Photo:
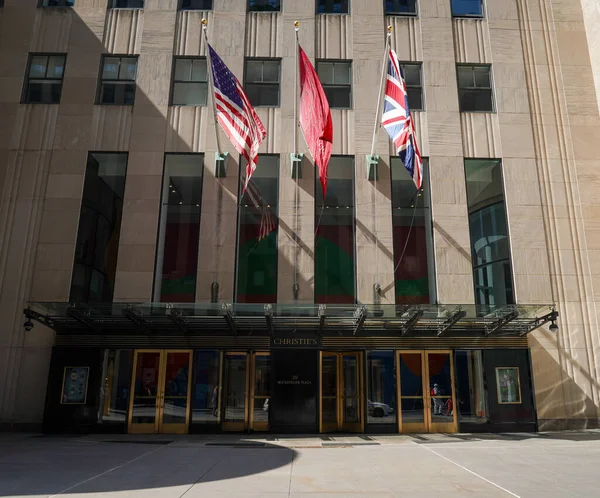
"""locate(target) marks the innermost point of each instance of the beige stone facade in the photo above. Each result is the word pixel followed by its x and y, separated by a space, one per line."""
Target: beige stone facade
pixel 546 130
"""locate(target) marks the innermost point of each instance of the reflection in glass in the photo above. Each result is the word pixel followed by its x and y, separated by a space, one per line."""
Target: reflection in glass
pixel 413 237
pixel 381 376
pixel 114 393
pixel 471 389
pixel 440 380
pixel 413 411
pixel 179 229
pixel 234 385
pixel 262 388
pixel 176 388
pixel 257 237
pixel 490 244
pixel 329 392
pixel 99 229
pixel 205 407
pixel 411 388
pixel 335 235
pixel 146 388
pixel 350 372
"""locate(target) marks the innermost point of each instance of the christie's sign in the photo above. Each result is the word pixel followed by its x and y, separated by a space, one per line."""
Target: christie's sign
pixel 294 342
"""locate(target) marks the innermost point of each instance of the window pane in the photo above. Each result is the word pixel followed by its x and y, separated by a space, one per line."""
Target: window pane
pixel 56 66
pixel 476 100
pixel 270 71
pixel 415 99
pixel 257 237
pixel 37 68
pixel 465 77
pixel 110 70
pixel 128 4
pixel 332 6
pixel 197 4
pixel 264 5
pixel 342 73
pixel 96 251
pixel 381 379
pixel 117 93
pixel 411 375
pixel 467 8
pixel 267 95
pixel 401 6
pixel 482 77
pixel 338 97
pixel 325 71
pixel 471 390
pixel 58 3
pixel 412 74
pixel 335 235
pixel 192 94
pixel 253 71
pixel 179 229
pixel 183 69
pixel 114 393
pixel 205 404
pixel 128 69
pixel 199 72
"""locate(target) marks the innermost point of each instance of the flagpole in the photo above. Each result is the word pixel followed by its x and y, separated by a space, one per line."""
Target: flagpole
pixel 296 90
pixel 295 289
pixel 212 86
pixel 383 70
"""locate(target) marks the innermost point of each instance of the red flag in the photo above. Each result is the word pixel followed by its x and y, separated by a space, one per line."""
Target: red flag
pixel 315 117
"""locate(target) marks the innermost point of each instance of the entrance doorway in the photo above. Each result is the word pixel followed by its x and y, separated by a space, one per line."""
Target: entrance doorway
pixel 341 392
pixel 426 391
pixel 246 391
pixel 160 401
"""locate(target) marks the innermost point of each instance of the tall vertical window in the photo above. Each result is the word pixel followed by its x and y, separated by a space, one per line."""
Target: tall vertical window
pixel 414 271
pixel 401 7
pixel 335 271
pixel 117 365
pixel 336 78
pixel 44 81
pixel 190 81
pixel 490 244
pixel 257 235
pixel 332 6
pixel 414 85
pixel 381 378
pixel 179 229
pixel 117 83
pixel 471 387
pixel 264 5
pixel 99 229
pixel 467 8
pixel 205 391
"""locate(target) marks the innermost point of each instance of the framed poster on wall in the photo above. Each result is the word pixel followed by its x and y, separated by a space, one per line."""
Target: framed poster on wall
pixel 74 389
pixel 508 385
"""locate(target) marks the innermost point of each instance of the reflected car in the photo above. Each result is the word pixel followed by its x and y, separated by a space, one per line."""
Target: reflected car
pixel 379 409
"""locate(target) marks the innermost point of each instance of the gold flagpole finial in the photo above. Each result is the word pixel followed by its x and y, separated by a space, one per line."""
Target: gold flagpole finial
pixel 297 25
pixel 204 23
pixel 390 29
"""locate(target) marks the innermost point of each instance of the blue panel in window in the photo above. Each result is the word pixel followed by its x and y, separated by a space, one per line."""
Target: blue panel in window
pixel 467 8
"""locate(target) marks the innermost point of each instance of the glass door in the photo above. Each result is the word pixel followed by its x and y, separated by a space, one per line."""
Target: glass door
pixel 341 392
pixel 235 392
pixel 411 392
pixel 160 385
pixel 440 393
pixel 426 392
pixel 260 391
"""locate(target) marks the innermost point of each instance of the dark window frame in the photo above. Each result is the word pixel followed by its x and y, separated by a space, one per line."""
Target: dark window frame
pixel 421 87
pixel 101 80
pixel 268 83
pixel 469 16
pixel 401 14
pixel 42 2
pixel 27 80
pixel 174 81
pixel 476 88
pixel 249 8
pixel 181 7
pixel 332 13
pixel 334 85
pixel 111 5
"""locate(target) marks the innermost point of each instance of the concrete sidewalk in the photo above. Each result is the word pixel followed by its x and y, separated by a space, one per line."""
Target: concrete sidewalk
pixel 527 465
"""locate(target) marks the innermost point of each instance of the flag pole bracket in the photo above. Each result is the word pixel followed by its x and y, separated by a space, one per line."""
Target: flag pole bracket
pixel 296 165
pixel 221 164
pixel 373 168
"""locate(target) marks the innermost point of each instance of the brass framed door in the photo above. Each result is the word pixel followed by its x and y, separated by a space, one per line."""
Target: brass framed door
pixel 160 386
pixel 260 391
pixel 341 392
pixel 235 392
pixel 426 391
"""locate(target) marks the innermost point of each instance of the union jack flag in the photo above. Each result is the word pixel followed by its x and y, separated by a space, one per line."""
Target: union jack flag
pixel 268 223
pixel 235 114
pixel 398 123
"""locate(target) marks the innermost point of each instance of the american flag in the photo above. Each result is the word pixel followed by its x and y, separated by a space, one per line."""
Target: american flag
pixel 235 114
pixel 398 122
pixel 268 223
